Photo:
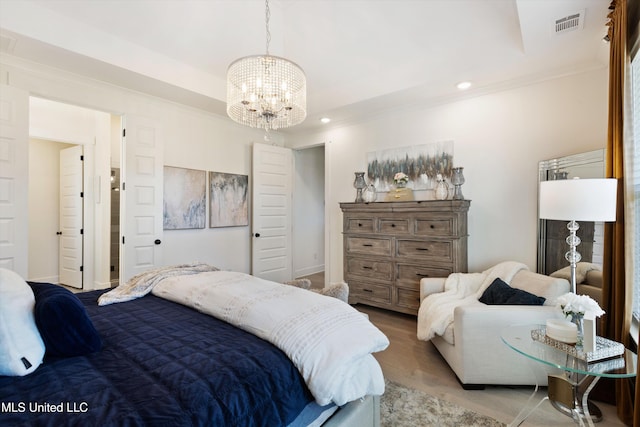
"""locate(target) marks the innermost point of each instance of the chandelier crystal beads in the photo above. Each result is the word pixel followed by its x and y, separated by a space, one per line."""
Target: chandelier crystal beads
pixel 266 91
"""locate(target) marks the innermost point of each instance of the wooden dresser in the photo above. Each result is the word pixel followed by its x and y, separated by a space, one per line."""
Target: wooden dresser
pixel 390 246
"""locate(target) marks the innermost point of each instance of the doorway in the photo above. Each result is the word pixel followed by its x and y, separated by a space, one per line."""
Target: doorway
pixel 309 212
pixel 53 127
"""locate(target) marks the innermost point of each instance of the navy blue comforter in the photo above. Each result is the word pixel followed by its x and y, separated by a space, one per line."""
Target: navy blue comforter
pixel 161 364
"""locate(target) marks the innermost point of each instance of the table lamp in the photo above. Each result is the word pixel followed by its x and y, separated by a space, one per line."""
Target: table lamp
pixel 577 200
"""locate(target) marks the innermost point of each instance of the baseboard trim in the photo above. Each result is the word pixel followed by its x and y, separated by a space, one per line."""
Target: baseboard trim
pixel 307 271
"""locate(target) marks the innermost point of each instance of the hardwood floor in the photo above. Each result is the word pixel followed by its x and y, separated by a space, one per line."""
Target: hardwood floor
pixel 418 364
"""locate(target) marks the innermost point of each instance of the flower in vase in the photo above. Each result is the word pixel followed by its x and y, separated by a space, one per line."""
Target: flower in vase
pixel 400 178
pixel 439 178
pixel 572 304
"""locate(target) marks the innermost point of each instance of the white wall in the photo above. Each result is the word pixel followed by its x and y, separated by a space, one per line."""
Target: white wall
pixel 308 211
pixel 115 144
pixel 193 139
pixel 198 140
pixel 499 138
pixel 61 122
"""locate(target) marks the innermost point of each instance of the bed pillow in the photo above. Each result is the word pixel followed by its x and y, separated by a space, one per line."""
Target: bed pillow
pixel 21 347
pixel 63 322
pixel 499 293
pixel 338 290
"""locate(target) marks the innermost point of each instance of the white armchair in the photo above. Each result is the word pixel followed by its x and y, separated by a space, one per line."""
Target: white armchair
pixel 477 355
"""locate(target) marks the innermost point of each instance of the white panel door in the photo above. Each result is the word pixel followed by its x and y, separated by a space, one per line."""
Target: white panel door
pixel 71 216
pixel 14 179
pixel 272 192
pixel 141 240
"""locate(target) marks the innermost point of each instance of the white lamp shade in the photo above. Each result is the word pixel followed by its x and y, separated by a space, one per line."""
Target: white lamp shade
pixel 578 199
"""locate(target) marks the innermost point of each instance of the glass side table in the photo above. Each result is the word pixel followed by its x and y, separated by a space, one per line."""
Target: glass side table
pixel 569 391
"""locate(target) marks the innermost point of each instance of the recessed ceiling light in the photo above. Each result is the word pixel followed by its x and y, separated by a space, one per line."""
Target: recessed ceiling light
pixel 463 85
pixel 325 120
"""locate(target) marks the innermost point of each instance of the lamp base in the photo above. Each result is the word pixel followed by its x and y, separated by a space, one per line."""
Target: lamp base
pixel 572 255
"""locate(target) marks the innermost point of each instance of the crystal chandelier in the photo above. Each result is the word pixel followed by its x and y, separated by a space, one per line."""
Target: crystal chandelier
pixel 266 91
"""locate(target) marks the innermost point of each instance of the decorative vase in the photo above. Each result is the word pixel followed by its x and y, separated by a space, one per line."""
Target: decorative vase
pixel 442 190
pixel 457 179
pixel 401 184
pixel 370 194
pixel 359 184
pixel 578 319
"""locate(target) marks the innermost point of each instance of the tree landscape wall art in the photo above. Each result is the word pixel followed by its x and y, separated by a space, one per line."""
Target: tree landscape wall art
pixel 422 163
pixel 228 199
pixel 185 203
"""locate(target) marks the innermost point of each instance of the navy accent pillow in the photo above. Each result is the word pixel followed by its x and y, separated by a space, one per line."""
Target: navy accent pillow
pixel 63 322
pixel 499 293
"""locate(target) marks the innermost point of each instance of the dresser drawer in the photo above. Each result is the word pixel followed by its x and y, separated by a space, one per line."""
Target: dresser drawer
pixel 394 226
pixel 370 292
pixel 413 273
pixel 431 250
pixel 440 227
pixel 408 298
pixel 368 246
pixel 381 270
pixel 359 225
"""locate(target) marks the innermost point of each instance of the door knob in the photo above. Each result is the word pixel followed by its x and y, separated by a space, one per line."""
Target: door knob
pixel 257 234
pixel 157 241
pixel 59 233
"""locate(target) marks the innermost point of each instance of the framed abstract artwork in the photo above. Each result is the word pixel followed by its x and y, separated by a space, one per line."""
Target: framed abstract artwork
pixel 422 163
pixel 184 200
pixel 228 200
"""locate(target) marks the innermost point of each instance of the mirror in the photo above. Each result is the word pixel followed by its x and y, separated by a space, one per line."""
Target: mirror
pixel 552 234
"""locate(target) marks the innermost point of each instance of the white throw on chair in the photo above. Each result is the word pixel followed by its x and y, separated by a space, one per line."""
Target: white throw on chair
pixel 467 332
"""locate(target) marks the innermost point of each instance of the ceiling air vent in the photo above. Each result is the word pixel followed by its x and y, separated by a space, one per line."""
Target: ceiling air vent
pixel 575 21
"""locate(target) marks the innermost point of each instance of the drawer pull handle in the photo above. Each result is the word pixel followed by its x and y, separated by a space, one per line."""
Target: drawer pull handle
pixel 367 244
pixel 366 267
pixel 393 225
pixel 422 249
pixel 359 224
pixel 432 226
pixel 367 290
pixel 422 275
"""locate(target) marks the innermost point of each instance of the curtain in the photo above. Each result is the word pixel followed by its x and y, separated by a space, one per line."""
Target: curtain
pixel 615 287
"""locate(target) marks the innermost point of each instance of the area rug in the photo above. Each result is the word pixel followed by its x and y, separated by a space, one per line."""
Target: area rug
pixel 404 407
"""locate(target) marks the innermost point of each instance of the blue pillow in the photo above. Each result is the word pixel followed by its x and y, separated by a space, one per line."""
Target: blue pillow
pixel 63 322
pixel 499 293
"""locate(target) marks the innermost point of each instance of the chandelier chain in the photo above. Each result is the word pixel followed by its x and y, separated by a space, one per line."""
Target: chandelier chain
pixel 267 18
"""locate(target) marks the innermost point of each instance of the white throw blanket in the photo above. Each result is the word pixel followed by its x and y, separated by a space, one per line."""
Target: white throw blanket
pixel 141 284
pixel 327 340
pixel 436 311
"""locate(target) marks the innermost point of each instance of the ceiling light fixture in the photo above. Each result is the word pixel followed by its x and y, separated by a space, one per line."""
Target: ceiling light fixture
pixel 325 120
pixel 266 91
pixel 463 85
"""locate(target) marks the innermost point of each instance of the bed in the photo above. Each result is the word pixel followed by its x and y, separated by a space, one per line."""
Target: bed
pixel 161 362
